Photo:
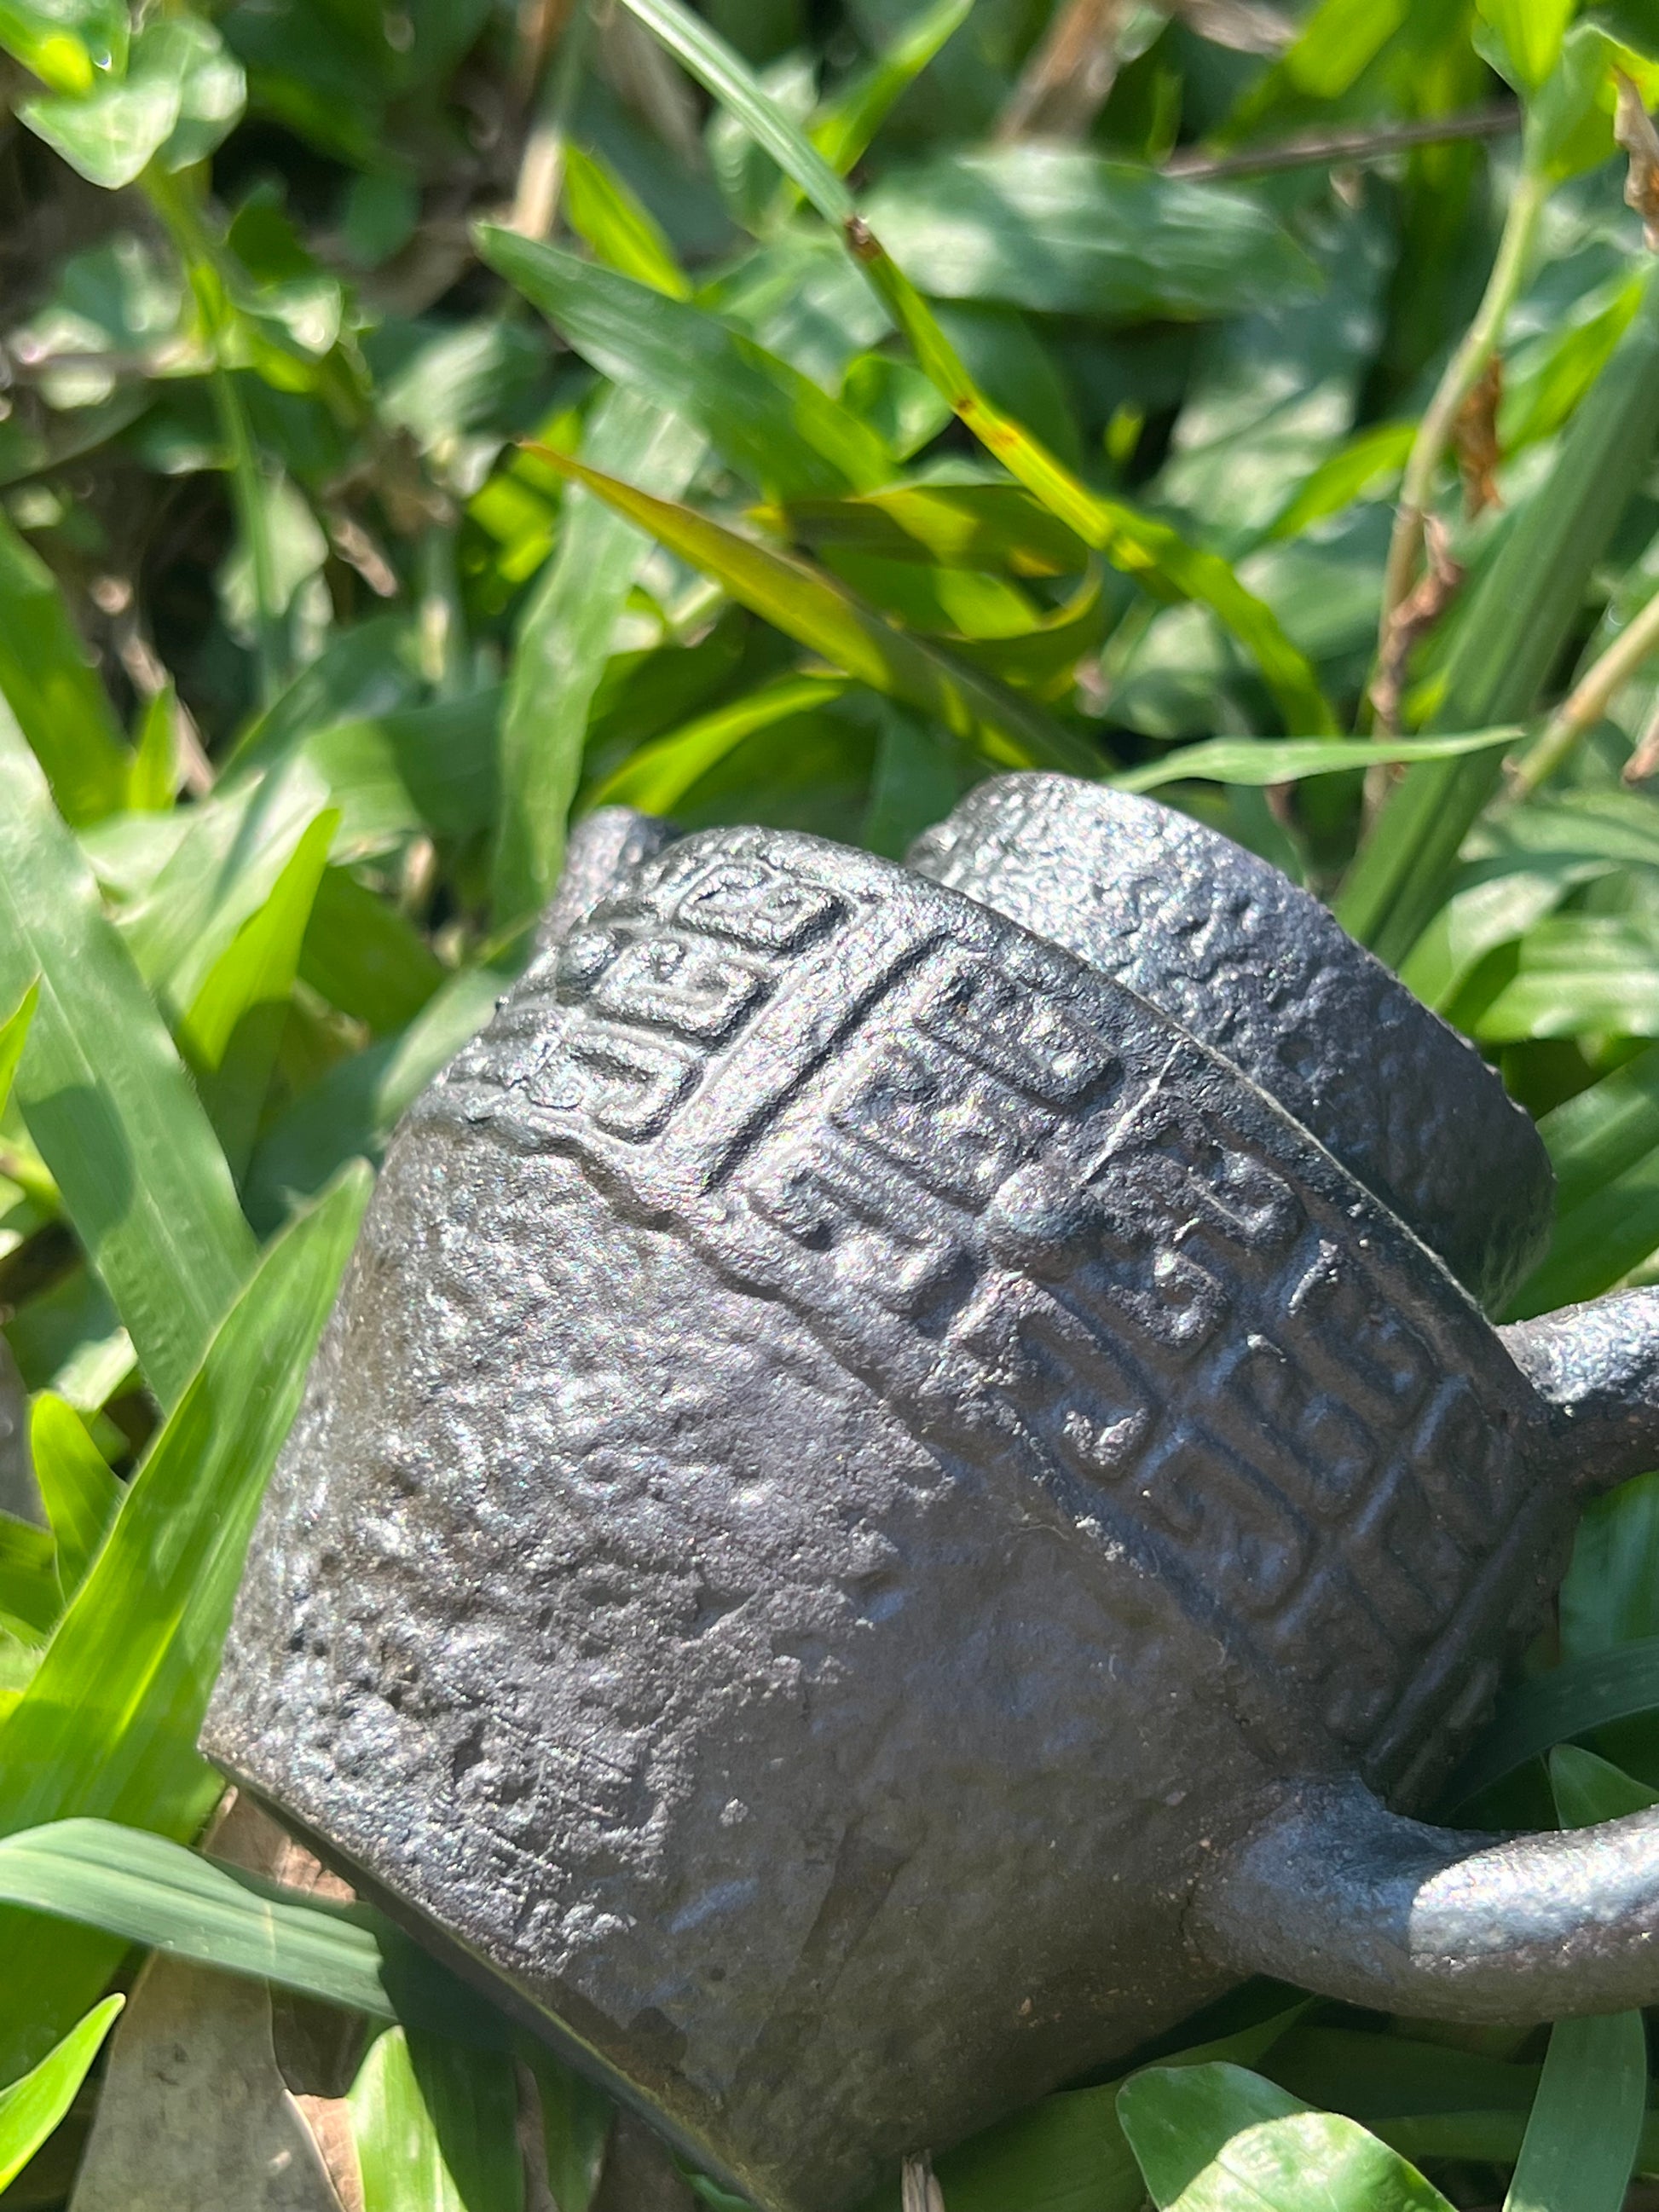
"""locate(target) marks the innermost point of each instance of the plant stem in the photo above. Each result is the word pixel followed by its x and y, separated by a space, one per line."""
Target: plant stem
pixel 541 169
pixel 1461 373
pixel 1312 149
pixel 1584 708
pixel 196 250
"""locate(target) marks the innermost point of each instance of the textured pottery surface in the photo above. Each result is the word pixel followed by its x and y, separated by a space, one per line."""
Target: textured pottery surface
pixel 904 1487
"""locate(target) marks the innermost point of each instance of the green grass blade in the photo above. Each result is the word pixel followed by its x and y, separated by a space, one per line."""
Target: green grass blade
pixel 1581 2139
pixel 1585 2127
pixel 657 777
pixel 366 957
pixel 822 615
pixel 80 1495
pixel 998 527
pixel 576 2123
pixel 709 58
pixel 107 1098
pixel 60 707
pixel 31 1596
pixel 1588 1788
pixel 1604 1145
pixel 1154 553
pixel 234 848
pixel 435 2128
pixel 1213 2138
pixel 564 642
pixel 772 424
pixel 848 123
pixel 31 2107
pixel 107 1726
pixel 619 227
pixel 1256 761
pixel 1509 635
pixel 142 1888
pixel 13 1036
pixel 232 1029
pixel 1570 1700
pixel 357 1104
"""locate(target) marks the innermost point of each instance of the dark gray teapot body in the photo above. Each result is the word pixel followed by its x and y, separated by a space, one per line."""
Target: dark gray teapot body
pixel 868 1493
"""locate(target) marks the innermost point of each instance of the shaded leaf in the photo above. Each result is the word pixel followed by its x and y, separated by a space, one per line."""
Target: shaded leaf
pixel 364 956
pixel 845 125
pixel 355 1107
pixel 1569 1700
pixel 233 1026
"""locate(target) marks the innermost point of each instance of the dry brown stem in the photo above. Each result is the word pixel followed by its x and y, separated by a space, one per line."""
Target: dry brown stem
pixel 1633 129
pixel 1416 615
pixel 1070 72
pixel 1474 439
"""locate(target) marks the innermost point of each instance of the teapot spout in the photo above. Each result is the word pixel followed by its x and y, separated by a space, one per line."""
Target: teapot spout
pixel 1596 1366
pixel 1337 1894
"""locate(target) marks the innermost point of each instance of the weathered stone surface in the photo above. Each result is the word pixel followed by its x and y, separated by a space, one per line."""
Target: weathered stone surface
pixel 859 1468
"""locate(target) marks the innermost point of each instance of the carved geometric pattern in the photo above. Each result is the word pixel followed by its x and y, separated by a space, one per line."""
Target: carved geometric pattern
pixel 1036 1215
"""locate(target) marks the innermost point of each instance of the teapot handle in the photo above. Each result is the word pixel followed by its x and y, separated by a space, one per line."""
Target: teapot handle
pixel 1597 1367
pixel 1335 1893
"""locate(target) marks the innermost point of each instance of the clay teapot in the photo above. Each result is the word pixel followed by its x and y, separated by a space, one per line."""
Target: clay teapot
pixel 908 1481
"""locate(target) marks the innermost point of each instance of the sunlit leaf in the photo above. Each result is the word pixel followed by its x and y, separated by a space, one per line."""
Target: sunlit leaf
pixel 1213 2138
pixel 59 704
pixel 80 1495
pixel 762 415
pixel 617 225
pixel 819 613
pixel 659 775
pixel 181 93
pixel 1069 233
pixel 107 1098
pixel 138 1886
pixel 434 2126
pixel 563 642
pixel 108 1725
pixel 31 2107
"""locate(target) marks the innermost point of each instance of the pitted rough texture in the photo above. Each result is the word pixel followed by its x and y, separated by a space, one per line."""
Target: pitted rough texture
pixel 1242 958
pixel 853 1456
